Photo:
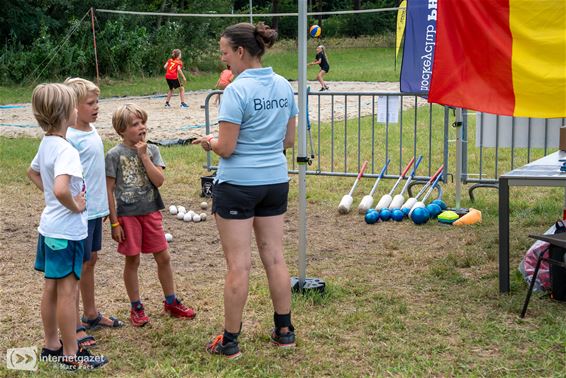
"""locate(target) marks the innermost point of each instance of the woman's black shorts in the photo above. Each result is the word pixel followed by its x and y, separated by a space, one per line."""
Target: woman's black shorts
pixel 243 202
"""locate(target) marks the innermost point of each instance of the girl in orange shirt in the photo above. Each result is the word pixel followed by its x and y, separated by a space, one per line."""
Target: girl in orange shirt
pixel 174 68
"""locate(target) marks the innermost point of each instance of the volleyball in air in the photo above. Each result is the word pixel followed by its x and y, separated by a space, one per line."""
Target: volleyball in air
pixel 315 31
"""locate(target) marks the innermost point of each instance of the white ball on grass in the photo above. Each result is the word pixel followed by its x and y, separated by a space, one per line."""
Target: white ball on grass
pixel 180 215
pixel 173 210
pixel 204 205
pixel 203 218
pixel 169 237
pixel 181 209
pixel 196 218
pixel 188 217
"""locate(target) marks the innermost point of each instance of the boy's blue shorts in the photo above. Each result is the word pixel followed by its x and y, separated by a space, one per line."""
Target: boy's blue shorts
pixel 93 242
pixel 57 258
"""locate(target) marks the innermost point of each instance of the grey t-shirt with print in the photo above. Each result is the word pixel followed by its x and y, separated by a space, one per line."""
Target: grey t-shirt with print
pixel 135 194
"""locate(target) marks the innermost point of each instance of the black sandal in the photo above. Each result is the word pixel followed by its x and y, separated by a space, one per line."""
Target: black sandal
pixel 85 342
pixel 94 324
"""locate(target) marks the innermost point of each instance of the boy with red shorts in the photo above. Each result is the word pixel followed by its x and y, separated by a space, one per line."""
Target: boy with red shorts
pixel 134 172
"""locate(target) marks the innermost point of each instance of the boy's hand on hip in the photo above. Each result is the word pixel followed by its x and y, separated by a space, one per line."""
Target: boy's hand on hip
pixel 80 201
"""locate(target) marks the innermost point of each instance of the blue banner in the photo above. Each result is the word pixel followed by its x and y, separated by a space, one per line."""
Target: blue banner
pixel 418 51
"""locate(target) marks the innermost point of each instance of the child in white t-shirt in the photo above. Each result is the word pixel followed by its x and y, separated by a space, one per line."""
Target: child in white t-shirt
pixel 84 137
pixel 56 170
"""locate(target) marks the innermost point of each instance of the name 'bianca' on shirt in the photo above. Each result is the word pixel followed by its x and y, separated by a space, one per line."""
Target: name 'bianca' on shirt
pixel 262 103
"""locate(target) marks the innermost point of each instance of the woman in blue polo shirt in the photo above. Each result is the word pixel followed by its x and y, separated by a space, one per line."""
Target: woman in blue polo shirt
pixel 257 119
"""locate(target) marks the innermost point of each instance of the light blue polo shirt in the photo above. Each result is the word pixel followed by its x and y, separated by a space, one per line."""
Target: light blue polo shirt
pixel 261 102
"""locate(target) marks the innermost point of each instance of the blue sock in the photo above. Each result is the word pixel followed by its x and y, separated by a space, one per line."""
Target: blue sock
pixel 136 304
pixel 169 299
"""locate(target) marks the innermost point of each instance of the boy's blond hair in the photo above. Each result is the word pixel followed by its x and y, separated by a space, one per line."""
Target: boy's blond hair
pixel 52 104
pixel 175 53
pixel 82 87
pixel 124 115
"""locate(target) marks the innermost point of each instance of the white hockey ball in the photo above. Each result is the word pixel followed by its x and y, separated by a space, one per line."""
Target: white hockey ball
pixel 188 217
pixel 202 216
pixel 173 210
pixel 196 218
pixel 169 237
pixel 204 205
pixel 181 209
pixel 180 215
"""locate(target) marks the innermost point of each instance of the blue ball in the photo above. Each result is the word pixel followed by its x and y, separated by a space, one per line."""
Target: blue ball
pixel 397 215
pixel 406 211
pixel 440 203
pixel 434 210
pixel 372 210
pixel 371 217
pixel 420 215
pixel 385 215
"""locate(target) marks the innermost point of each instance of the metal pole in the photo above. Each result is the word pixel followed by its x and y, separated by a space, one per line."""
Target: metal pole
pixel 458 176
pixel 94 43
pixel 251 13
pixel 302 141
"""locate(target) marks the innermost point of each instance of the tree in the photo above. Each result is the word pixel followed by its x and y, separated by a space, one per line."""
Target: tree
pixel 275 19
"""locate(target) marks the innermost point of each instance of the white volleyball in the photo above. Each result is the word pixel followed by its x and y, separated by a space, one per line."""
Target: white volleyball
pixel 173 210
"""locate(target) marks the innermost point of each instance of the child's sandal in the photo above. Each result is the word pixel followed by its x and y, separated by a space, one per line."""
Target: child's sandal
pixel 94 324
pixel 85 342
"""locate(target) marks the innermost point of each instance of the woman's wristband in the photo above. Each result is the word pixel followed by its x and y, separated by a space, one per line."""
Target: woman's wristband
pixel 114 225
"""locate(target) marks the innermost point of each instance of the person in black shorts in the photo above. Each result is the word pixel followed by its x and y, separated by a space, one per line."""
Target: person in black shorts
pixel 322 61
pixel 256 121
pixel 173 69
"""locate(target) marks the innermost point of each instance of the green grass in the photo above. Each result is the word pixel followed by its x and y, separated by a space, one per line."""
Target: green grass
pixel 408 307
pixel 364 62
pixel 401 300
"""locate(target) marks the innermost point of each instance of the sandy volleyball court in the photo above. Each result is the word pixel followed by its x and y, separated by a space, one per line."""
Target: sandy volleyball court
pixel 18 120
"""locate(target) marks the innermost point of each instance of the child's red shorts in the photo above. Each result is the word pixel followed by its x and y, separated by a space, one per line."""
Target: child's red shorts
pixel 144 234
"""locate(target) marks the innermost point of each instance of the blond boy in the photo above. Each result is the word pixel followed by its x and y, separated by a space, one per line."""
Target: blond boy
pixel 134 172
pixel 84 137
pixel 57 172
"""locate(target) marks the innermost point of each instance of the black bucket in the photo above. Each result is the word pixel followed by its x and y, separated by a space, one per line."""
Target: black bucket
pixel 206 183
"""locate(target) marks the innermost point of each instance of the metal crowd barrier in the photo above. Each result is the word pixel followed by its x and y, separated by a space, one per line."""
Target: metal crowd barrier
pixel 499 144
pixel 344 130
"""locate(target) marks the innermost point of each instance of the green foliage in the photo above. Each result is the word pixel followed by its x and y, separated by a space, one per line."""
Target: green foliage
pixel 52 39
